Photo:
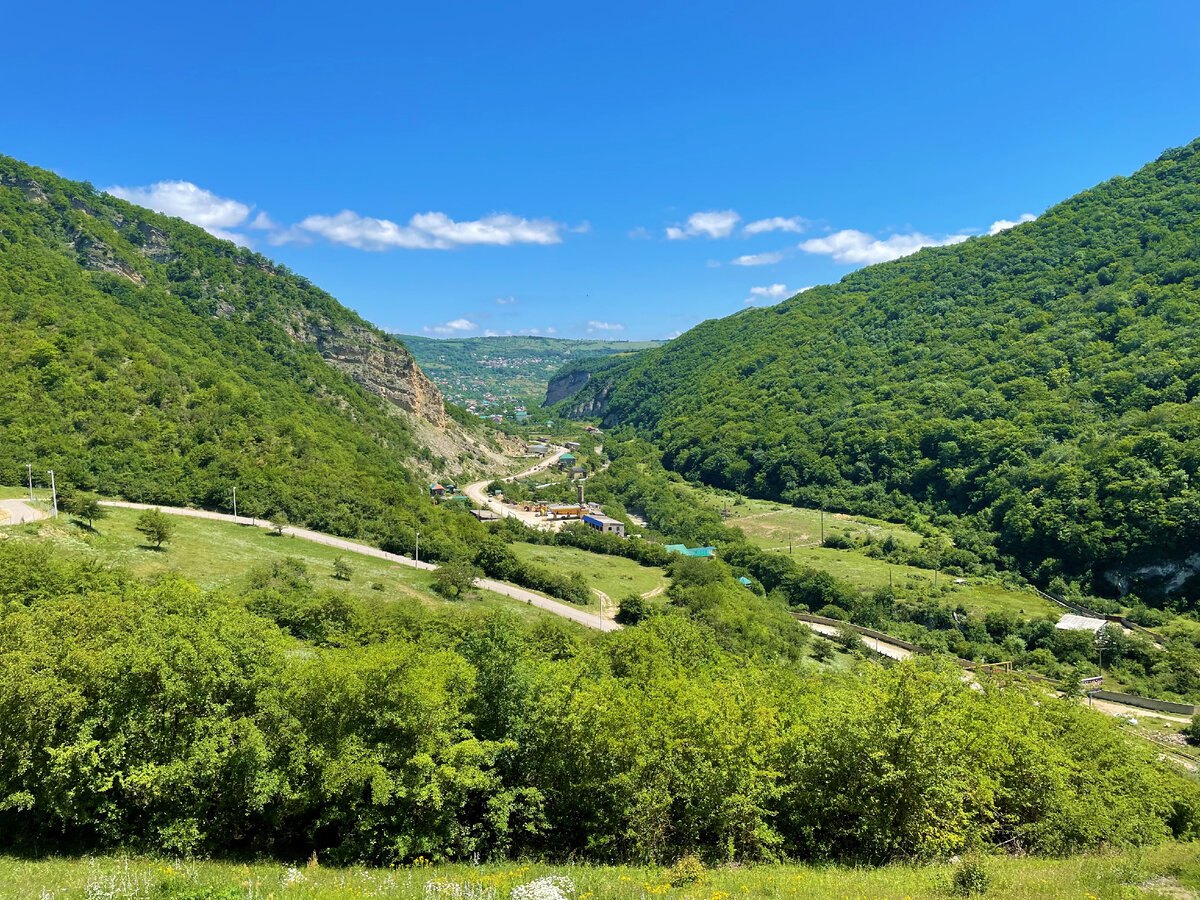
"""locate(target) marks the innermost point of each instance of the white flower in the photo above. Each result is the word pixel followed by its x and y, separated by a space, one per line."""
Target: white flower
pixel 550 887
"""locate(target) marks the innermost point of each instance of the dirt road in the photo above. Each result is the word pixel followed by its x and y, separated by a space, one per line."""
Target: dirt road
pixel 508 590
pixel 879 646
pixel 18 512
pixel 477 492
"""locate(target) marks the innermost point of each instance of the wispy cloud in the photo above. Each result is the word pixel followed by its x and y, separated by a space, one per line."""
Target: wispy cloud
pixel 851 246
pixel 777 223
pixel 216 215
pixel 506 301
pixel 771 292
pixel 533 332
pixel 712 224
pixel 641 233
pixel 758 259
pixel 1004 224
pixel 424 231
pixel 455 326
pixel 593 326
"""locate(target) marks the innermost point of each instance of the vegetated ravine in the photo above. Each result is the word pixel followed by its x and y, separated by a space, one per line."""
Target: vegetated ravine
pixel 1039 386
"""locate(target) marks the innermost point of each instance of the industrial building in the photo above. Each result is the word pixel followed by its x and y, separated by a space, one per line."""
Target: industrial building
pixel 604 524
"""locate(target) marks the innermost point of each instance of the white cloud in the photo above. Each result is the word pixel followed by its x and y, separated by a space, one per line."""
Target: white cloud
pixel 641 233
pixel 455 326
pixel 757 259
pixel 673 335
pixel 214 214
pixel 1004 224
pixel 712 224
pixel 593 326
pixel 712 264
pixel 851 246
pixel 430 231
pixel 777 223
pixel 506 301
pixel 768 292
pixel 424 231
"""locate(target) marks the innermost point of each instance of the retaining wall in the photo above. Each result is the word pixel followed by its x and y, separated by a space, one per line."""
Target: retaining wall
pixel 1180 709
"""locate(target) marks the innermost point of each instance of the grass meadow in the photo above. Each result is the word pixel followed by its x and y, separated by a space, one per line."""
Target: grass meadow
pixel 1168 871
pixel 220 554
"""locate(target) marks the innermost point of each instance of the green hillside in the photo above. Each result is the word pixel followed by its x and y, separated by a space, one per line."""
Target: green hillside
pixel 1037 389
pixel 505 370
pixel 141 357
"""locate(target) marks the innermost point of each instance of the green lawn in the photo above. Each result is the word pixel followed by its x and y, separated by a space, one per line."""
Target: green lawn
pixel 216 554
pixel 1170 870
pixel 613 575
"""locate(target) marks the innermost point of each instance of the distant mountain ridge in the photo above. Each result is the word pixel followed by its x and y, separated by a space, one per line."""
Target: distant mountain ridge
pixel 1042 385
pixel 141 356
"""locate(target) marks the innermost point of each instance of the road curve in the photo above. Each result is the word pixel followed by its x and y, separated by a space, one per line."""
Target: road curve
pixel 508 590
pixel 477 492
pixel 18 512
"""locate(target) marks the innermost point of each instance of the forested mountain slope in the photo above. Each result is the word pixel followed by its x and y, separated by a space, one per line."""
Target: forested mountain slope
pixel 1040 384
pixel 141 356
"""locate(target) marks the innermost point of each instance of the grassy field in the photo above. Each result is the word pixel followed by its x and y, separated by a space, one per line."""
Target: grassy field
pixel 975 594
pixel 613 575
pixel 217 554
pixel 1171 871
pixel 770 525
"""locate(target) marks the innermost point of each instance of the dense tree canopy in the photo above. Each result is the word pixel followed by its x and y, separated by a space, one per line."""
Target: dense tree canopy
pixel 289 720
pixel 1041 384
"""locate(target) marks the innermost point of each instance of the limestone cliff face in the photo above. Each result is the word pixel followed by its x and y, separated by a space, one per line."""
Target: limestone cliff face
pixel 380 364
pixel 563 386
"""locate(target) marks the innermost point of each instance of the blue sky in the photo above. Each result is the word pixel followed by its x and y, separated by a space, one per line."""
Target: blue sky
pixel 624 170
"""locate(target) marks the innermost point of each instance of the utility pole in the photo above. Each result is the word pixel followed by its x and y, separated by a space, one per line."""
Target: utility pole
pixel 789 542
pixel 235 502
pixel 417 552
pixel 53 491
pixel 822 525
pixel 29 466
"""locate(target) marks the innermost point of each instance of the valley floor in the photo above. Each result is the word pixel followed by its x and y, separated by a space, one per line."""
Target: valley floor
pixel 1169 871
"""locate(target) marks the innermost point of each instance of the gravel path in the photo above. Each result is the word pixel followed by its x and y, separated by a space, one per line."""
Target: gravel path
pixel 508 590
pixel 18 512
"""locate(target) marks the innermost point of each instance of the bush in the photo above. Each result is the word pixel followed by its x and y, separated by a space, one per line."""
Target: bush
pixel 632 610
pixel 686 871
pixel 970 879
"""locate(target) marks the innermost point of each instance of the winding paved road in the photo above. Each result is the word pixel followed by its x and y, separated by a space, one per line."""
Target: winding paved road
pixel 499 587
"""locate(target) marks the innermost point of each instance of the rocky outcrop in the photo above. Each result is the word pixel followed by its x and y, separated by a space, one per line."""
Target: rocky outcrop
pixel 380 364
pixel 565 384
pixel 1155 579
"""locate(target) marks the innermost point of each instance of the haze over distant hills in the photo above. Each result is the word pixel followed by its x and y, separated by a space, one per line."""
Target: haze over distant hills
pixel 1041 385
pixel 508 368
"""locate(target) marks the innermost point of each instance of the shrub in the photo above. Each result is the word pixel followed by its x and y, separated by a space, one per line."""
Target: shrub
pixel 969 879
pixel 687 870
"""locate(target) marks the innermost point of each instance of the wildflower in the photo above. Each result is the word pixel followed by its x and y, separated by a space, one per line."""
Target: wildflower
pixel 549 887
